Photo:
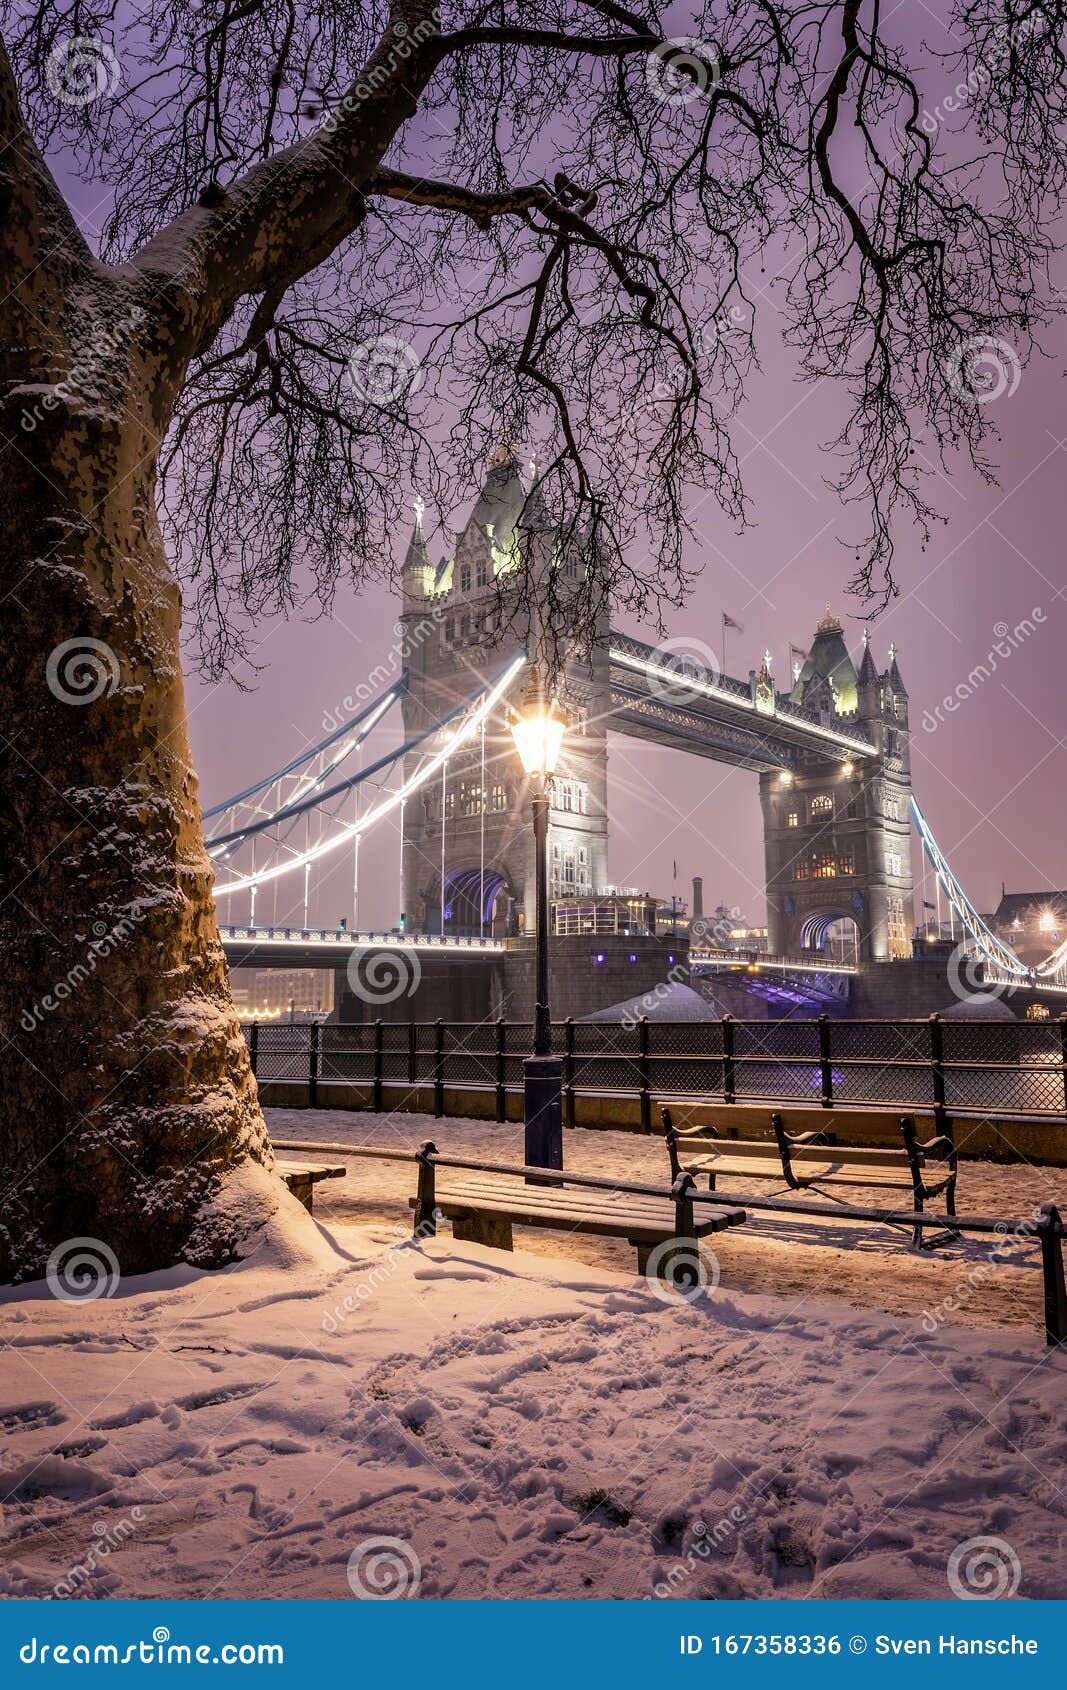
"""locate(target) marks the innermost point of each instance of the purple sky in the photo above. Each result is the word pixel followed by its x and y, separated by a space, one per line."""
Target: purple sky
pixel 990 777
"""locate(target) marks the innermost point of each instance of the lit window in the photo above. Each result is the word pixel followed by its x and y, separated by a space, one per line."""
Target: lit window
pixel 1037 1012
pixel 792 819
pixel 822 804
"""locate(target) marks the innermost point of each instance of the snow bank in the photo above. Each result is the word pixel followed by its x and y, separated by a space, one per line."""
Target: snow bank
pixel 515 1426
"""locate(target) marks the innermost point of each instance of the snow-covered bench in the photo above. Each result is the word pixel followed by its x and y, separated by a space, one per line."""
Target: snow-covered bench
pixel 483 1208
pixel 812 1160
pixel 303 1177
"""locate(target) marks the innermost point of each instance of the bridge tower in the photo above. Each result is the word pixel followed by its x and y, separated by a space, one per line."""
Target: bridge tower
pixel 468 840
pixel 837 833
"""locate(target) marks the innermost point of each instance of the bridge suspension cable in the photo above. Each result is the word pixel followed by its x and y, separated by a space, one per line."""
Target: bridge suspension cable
pixel 985 941
pixel 375 710
pixel 472 713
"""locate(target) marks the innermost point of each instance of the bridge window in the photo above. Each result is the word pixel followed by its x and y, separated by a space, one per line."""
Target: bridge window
pixel 570 796
pixel 450 629
pixel 481 572
pixel 464 627
pixel 500 796
pixel 896 930
pixel 793 819
pixel 470 798
pixel 825 865
pixel 822 804
pixel 1037 1012
pixel 464 577
pixel 893 863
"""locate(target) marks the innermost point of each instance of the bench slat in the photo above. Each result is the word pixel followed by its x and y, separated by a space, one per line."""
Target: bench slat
pixel 313 1171
pixel 637 1219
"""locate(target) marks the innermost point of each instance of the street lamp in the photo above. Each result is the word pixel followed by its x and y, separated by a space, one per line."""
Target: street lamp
pixel 538 735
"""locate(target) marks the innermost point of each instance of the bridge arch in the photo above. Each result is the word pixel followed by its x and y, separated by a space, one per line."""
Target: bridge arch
pixel 476 900
pixel 835 932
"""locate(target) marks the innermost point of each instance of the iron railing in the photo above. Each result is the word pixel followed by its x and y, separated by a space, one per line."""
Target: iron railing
pixel 943 1067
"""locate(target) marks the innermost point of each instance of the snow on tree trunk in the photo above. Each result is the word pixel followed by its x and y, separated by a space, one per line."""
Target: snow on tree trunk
pixel 127 1092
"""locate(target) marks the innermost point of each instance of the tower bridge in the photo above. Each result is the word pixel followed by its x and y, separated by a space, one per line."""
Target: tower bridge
pixel 830 751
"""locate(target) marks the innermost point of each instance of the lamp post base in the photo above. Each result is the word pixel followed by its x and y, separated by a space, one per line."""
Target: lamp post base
pixel 543 1111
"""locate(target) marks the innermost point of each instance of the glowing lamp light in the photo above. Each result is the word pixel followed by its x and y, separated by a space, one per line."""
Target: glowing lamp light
pixel 1047 921
pixel 537 732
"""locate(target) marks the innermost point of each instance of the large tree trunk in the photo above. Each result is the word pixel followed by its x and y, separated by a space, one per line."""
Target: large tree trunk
pixel 126 1090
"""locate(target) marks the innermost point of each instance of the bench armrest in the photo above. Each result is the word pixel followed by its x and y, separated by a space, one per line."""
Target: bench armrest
pixel 675 1138
pixel 943 1147
pixel 798 1140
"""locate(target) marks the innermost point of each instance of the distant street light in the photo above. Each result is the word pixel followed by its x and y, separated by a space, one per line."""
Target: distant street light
pixel 538 735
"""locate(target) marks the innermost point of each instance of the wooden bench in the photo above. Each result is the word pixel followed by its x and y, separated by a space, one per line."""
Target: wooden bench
pixel 484 1211
pixel 303 1177
pixel 812 1160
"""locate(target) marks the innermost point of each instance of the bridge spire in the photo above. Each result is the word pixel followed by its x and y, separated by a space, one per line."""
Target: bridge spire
pixel 418 570
pixel 868 671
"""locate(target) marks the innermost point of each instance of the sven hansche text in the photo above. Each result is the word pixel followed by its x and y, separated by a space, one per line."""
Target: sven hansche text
pixel 952 1645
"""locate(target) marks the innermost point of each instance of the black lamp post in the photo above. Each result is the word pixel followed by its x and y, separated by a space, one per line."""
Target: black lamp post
pixel 538 734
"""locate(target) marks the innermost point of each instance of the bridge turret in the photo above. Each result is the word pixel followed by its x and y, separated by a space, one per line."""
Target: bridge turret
pixel 418 570
pixel 896 687
pixel 828 679
pixel 837 833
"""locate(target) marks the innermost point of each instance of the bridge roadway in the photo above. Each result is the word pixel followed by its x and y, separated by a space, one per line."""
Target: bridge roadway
pixel 293 947
pixel 691 708
pixel 286 947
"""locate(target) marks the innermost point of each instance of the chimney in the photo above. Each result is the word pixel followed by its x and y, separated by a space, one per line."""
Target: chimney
pixel 698 895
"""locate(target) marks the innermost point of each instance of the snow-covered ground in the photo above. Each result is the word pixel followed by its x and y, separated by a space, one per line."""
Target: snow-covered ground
pixel 524 1425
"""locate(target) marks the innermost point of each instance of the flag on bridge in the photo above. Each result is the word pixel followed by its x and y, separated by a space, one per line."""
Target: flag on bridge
pixel 728 622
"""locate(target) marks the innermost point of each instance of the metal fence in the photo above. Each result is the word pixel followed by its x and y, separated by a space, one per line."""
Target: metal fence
pixel 996 1068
